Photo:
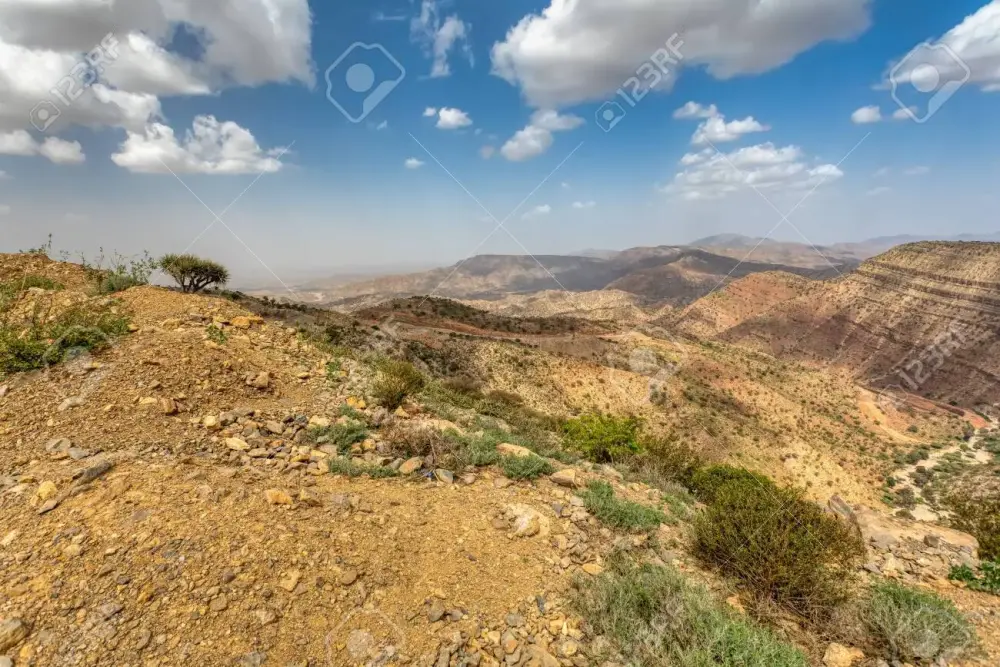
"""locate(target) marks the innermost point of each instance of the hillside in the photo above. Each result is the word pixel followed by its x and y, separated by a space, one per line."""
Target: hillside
pixel 662 275
pixel 923 316
pixel 226 480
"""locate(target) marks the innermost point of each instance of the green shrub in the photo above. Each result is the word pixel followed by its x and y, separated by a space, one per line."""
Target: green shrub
pixel 341 436
pixel 662 464
pixel 12 289
pixel 525 467
pixel 706 482
pixel 394 381
pixel 603 438
pixel 121 273
pixel 45 343
pixel 216 334
pixel 654 616
pixel 192 273
pixel 913 625
pixel 778 545
pixel 987 580
pixel 979 516
pixel 600 500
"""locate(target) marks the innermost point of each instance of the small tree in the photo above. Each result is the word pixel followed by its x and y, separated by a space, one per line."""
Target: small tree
pixel 193 274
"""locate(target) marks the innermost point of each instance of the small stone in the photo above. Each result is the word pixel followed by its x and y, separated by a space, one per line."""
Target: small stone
pixel 277 497
pixel 566 477
pixel 265 616
pixel 237 444
pixel 219 604
pixel 446 476
pixel 348 577
pixel 593 569
pixel 240 322
pixel 319 422
pixel 838 655
pixel 109 610
pixel 261 381
pixel 169 406
pixel 508 642
pixel 411 466
pixel 48 506
pixel 211 422
pixel 71 402
pixel 569 648
pixel 435 612
pixel 514 620
pixel 309 498
pixel 276 428
pixel 507 449
pixel 73 550
pixel 47 490
pixel 933 541
pixel 12 632
pixel 290 580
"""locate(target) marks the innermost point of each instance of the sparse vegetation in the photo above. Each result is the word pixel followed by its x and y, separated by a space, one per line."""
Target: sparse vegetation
pixel 341 436
pixel 193 274
pixel 706 482
pixel 979 516
pixel 986 580
pixel 395 380
pixel 654 616
pixel 525 467
pixel 778 545
pixel 911 625
pixel 121 272
pixel 600 500
pixel 216 334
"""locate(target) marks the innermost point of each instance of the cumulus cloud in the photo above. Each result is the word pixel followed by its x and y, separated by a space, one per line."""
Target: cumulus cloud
pixel 975 43
pixel 584 204
pixel 537 212
pixel 866 115
pixel 453 119
pixel 715 175
pixel 209 147
pixel 439 38
pixel 239 43
pixel 716 130
pixel 584 50
pixel 20 142
pixel 430 112
pixel 695 110
pixel 537 136
pixel 413 163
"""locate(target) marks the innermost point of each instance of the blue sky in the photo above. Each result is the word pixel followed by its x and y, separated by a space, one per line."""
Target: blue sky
pixel 781 100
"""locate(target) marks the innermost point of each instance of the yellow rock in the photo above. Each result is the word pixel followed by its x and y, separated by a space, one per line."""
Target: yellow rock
pixel 277 497
pixel 236 444
pixel 47 490
pixel 241 322
pixel 592 569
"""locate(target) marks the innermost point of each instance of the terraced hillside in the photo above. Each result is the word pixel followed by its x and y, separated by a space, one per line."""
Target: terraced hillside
pixel 922 316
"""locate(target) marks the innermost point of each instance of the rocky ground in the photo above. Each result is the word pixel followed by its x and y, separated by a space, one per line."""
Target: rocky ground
pixel 161 504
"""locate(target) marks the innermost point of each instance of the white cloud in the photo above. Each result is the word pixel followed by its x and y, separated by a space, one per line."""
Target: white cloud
pixel 430 112
pixel 20 142
pixel 4 209
pixel 917 171
pixel 584 50
pixel 62 152
pixel 880 190
pixel 240 43
pixel 696 110
pixel 584 204
pixel 453 119
pixel 486 152
pixel 976 43
pixel 538 211
pixel 536 137
pixel 439 37
pixel 866 115
pixel 903 114
pixel 716 130
pixel 210 147
pixel 766 167
pixel 413 163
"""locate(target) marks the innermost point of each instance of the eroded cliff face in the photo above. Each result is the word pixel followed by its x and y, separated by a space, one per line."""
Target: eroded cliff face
pixel 923 316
